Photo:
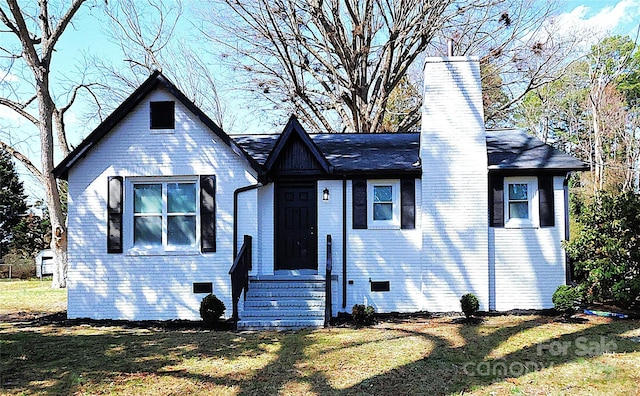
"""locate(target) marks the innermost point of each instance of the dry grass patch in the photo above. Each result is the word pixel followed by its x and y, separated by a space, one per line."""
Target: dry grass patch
pixel 530 355
pixel 435 356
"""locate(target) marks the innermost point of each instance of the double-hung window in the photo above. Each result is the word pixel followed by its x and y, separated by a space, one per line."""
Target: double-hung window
pixel 384 209
pixel 164 214
pixel 521 203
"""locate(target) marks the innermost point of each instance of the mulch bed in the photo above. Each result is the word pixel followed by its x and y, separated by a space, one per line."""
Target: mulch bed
pixel 342 320
pixel 60 319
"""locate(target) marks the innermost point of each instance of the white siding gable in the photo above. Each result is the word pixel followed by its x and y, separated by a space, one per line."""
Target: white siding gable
pixel 124 286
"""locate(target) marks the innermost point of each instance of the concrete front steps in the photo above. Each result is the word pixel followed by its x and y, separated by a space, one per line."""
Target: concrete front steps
pixel 284 302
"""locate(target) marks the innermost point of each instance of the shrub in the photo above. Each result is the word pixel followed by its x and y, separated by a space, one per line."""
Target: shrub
pixel 363 315
pixel 211 309
pixel 470 304
pixel 22 265
pixel 606 248
pixel 566 299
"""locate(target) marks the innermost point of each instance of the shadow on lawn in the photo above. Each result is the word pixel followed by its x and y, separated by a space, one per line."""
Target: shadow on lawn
pixel 87 357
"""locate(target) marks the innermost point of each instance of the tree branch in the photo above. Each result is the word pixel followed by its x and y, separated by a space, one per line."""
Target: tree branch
pixel 53 37
pixel 23 159
pixel 21 30
pixel 8 23
pixel 20 109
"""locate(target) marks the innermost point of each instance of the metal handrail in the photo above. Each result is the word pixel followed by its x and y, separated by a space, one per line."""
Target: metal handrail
pixel 240 276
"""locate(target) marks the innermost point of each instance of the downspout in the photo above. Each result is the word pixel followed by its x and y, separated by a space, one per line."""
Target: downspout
pixel 236 193
pixel 568 265
pixel 344 243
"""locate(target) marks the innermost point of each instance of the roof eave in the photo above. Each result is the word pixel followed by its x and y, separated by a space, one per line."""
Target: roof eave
pixel 560 170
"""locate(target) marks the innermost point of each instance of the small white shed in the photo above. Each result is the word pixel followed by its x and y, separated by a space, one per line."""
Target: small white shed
pixel 44 263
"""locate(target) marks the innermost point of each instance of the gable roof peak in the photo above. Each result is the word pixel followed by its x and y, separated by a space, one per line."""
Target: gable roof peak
pixel 139 94
pixel 294 129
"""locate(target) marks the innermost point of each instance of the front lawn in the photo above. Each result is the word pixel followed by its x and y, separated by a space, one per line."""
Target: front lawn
pixel 30 298
pixel 528 355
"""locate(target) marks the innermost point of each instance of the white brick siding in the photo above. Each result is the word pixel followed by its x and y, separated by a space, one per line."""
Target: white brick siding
pixel 454 185
pixel 376 255
pixel 123 286
pixel 451 251
pixel 384 255
pixel 266 230
pixel 529 263
pixel 330 223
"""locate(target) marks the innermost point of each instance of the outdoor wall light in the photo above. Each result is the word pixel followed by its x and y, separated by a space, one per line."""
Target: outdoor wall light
pixel 325 194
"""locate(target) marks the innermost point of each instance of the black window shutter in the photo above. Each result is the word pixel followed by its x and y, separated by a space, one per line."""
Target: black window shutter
pixel 359 204
pixel 545 191
pixel 114 214
pixel 496 201
pixel 208 213
pixel 408 204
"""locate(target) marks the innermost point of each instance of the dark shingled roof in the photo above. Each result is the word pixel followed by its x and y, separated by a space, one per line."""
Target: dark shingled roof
pixel 351 153
pixel 384 152
pixel 513 149
pixel 344 154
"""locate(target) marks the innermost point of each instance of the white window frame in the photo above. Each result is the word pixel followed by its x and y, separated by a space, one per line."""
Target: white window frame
pixel 394 222
pixel 165 248
pixel 533 220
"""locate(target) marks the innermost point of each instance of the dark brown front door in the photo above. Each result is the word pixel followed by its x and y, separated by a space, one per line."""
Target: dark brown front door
pixel 296 227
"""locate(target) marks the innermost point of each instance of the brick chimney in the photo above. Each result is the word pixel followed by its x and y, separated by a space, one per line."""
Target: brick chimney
pixel 454 184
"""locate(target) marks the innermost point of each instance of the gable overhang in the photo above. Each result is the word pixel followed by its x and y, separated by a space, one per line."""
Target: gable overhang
pixel 61 171
pixel 292 131
pixel 377 174
pixel 533 171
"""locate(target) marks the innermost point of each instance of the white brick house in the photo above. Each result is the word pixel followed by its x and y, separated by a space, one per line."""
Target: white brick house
pixel 160 199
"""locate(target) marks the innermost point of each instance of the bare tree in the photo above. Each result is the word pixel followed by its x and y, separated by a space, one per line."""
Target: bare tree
pixel 29 37
pixel 149 37
pixel 608 61
pixel 335 62
pixel 592 112
pixel 520 44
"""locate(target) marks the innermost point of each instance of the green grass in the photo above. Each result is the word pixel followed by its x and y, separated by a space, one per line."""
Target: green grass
pixel 30 296
pixel 425 357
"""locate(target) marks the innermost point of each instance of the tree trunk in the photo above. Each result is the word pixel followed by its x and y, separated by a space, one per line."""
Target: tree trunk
pixel 46 109
pixel 37 48
pixel 598 157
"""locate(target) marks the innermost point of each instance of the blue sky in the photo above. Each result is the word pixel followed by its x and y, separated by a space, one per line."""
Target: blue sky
pixel 598 17
pixel 87 35
pixel 605 16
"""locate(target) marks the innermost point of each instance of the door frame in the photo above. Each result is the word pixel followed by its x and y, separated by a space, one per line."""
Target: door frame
pixel 313 185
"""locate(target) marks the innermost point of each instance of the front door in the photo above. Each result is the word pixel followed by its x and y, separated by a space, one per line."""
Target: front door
pixel 296 227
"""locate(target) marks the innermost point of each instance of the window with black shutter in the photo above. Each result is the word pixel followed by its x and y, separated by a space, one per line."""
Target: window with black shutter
pixel 162 214
pixel 384 204
pixel 408 202
pixel 496 201
pixel 208 213
pixel 359 204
